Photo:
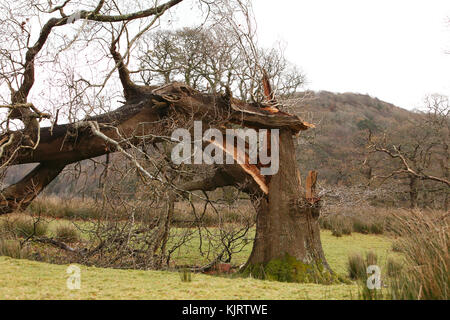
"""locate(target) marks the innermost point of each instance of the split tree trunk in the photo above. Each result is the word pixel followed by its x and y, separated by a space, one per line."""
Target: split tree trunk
pixel 287 246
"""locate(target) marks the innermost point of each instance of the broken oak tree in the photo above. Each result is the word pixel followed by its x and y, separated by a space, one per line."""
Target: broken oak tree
pixel 287 244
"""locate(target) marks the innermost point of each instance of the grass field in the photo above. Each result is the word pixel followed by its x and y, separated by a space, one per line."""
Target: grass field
pixel 24 279
pixel 336 250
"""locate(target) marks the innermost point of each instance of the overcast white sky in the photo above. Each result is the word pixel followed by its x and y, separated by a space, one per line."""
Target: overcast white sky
pixel 390 49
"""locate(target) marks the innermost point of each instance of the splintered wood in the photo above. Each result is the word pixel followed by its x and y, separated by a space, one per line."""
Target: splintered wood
pixel 311 195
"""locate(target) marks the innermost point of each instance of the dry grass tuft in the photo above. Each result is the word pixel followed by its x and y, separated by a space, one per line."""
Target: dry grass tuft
pixel 426 249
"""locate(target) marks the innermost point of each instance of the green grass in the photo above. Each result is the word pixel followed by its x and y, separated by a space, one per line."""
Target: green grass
pixel 336 250
pixel 24 279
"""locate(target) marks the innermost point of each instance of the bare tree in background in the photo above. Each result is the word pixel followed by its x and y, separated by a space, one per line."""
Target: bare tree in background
pixel 211 61
pixel 423 159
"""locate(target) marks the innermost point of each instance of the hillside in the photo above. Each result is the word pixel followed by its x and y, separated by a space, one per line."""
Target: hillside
pixel 336 147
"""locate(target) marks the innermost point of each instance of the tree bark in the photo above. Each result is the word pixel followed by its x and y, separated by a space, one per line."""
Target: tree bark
pixel 18 196
pixel 287 244
pixel 413 191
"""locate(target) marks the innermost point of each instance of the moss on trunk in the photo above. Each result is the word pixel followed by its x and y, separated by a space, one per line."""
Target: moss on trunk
pixel 289 269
